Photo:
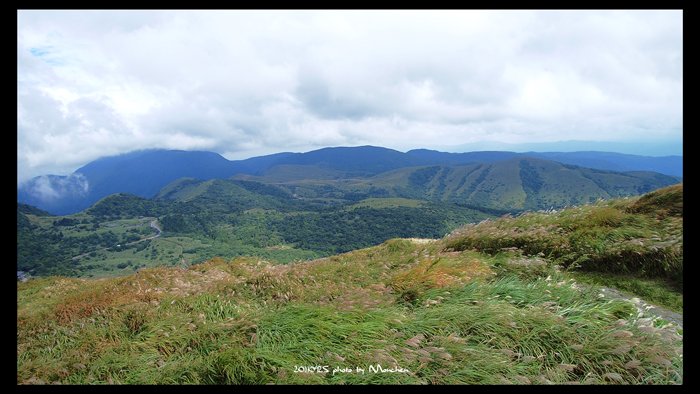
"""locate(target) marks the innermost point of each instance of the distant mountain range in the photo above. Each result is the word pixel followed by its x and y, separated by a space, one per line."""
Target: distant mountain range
pixel 527 179
pixel 667 165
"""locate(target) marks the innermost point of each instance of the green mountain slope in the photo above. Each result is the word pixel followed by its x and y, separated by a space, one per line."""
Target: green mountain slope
pixel 508 185
pixel 518 184
pixel 489 304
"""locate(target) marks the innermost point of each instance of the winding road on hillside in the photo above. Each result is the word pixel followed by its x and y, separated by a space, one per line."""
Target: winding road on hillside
pixel 153 224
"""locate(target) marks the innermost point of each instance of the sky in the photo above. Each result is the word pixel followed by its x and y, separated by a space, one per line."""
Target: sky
pixel 247 83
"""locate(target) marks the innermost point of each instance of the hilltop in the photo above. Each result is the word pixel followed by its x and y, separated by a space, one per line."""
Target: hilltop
pixel 509 300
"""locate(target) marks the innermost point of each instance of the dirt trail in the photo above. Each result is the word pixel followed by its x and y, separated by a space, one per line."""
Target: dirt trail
pixel 644 306
pixel 420 241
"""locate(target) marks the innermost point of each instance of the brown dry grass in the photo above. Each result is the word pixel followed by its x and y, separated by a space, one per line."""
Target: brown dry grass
pixel 446 269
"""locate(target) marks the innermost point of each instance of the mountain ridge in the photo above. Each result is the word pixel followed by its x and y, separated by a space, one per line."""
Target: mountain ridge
pixel 144 173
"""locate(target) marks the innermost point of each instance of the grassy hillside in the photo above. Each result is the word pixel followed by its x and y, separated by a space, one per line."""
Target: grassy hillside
pixel 516 184
pixel 467 309
pixel 617 236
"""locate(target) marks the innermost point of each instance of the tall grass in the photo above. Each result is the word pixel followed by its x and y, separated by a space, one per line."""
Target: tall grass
pixel 620 236
pixel 489 330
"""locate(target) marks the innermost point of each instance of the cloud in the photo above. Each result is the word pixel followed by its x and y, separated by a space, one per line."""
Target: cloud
pixel 242 83
pixel 50 188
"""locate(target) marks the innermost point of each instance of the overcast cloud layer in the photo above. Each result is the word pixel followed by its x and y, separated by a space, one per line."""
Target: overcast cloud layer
pixel 245 83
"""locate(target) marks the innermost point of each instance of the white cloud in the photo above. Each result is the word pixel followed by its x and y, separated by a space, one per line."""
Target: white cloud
pixel 94 83
pixel 50 188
